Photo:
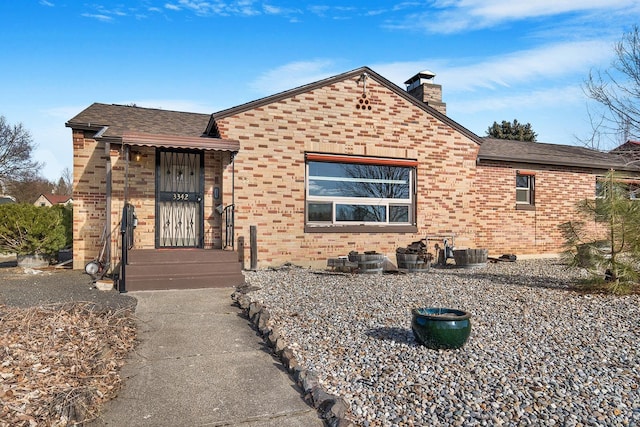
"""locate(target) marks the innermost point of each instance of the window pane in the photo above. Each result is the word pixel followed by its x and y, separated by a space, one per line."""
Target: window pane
pixel 399 214
pixel 522 181
pixel 361 213
pixel 522 196
pixel 356 180
pixel 320 212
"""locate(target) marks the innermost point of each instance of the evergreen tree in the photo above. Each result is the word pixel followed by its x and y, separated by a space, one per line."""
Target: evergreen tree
pixel 514 131
pixel 611 249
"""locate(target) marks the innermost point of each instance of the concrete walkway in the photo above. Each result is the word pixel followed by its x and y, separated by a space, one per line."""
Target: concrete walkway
pixel 199 363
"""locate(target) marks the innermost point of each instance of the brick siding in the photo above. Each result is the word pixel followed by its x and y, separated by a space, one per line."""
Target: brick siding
pixel 455 195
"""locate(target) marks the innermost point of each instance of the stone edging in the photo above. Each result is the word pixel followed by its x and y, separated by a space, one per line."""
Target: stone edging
pixel 332 409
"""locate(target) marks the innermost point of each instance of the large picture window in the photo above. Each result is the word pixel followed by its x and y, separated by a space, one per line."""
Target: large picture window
pixel 343 190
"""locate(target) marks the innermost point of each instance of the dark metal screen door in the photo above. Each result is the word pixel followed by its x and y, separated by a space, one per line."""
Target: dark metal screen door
pixel 179 210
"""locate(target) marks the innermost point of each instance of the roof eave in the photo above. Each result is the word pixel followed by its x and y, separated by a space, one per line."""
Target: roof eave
pixel 590 165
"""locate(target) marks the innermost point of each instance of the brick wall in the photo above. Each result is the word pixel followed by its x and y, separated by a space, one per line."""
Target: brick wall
pixel 90 166
pixel 270 169
pixel 503 229
pixel 455 196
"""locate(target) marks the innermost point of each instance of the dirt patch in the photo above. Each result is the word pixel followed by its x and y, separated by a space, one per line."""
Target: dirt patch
pixel 62 344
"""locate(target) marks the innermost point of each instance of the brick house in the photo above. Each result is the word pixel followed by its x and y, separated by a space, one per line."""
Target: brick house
pixel 348 163
pixel 53 199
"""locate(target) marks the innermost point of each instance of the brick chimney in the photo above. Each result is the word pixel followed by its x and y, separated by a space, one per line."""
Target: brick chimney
pixel 421 86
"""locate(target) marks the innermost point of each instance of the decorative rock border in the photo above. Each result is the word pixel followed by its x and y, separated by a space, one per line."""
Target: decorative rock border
pixel 332 409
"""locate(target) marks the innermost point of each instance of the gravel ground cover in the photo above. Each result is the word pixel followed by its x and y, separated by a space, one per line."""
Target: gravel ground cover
pixel 539 353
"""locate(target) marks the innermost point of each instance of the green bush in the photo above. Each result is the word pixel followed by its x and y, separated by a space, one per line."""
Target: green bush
pixel 67 222
pixel 611 252
pixel 31 230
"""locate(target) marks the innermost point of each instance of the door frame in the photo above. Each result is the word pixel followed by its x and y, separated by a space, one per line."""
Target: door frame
pixel 200 181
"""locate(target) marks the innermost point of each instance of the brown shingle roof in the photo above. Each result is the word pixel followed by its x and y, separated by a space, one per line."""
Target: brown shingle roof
pixel 549 154
pixel 121 119
pixel 56 199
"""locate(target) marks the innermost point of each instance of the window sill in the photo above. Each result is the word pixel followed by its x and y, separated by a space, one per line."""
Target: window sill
pixel 360 229
pixel 525 207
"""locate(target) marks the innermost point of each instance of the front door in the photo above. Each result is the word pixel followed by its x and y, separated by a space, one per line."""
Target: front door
pixel 179 196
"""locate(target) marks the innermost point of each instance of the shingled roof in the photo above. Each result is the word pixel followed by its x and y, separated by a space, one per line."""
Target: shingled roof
pixel 549 154
pixel 122 119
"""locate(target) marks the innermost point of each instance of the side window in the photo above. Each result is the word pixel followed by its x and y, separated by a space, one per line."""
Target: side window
pixel 525 190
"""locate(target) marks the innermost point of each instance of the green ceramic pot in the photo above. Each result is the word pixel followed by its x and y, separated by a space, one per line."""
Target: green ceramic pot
pixel 441 328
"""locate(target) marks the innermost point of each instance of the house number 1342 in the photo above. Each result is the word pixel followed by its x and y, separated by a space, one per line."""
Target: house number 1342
pixel 180 196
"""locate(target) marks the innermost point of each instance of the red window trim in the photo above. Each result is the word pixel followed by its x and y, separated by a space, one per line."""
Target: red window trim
pixel 525 173
pixel 340 158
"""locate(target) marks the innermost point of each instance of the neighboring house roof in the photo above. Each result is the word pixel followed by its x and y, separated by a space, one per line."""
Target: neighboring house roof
pixel 7 199
pixel 550 154
pixel 57 199
pixel 212 128
pixel 629 148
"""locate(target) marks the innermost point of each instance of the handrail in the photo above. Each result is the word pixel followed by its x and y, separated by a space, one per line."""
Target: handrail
pixel 229 214
pixel 127 224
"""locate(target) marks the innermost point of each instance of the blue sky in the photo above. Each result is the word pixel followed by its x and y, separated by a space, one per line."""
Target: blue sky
pixel 496 59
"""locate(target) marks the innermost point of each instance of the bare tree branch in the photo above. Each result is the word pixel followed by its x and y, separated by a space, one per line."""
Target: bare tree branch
pixel 617 90
pixel 16 146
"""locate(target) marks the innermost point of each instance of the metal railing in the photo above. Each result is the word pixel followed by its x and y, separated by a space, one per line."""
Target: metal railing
pixel 127 224
pixel 229 213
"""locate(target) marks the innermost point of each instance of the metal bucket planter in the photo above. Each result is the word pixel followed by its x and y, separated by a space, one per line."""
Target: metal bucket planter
pixel 441 328
pixel 412 262
pixel 368 263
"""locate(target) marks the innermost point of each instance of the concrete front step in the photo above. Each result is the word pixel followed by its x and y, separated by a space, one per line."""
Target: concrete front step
pixel 182 269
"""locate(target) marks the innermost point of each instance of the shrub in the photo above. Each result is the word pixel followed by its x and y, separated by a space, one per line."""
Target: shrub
pixel 67 223
pixel 611 251
pixel 31 230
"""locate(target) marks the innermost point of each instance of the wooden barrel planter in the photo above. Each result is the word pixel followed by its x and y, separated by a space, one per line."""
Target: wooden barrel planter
pixel 368 263
pixel 413 263
pixel 468 258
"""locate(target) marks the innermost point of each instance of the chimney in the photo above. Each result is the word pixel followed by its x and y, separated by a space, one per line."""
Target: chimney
pixel 421 86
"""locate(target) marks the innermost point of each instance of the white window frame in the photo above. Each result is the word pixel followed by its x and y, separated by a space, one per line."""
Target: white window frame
pixel 529 189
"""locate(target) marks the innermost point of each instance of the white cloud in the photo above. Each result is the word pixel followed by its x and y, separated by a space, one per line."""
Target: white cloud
pixel 292 75
pixel 541 64
pixel 522 9
pixel 99 17
pixel 452 16
pixel 206 8
pixel 545 97
pixel 46 3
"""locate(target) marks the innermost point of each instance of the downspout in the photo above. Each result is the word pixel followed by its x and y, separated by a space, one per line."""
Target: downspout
pixel 233 199
pixel 107 149
pixel 127 152
pixel 108 193
pixel 233 180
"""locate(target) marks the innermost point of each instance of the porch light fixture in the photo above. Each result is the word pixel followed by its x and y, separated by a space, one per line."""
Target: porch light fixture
pixel 136 156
